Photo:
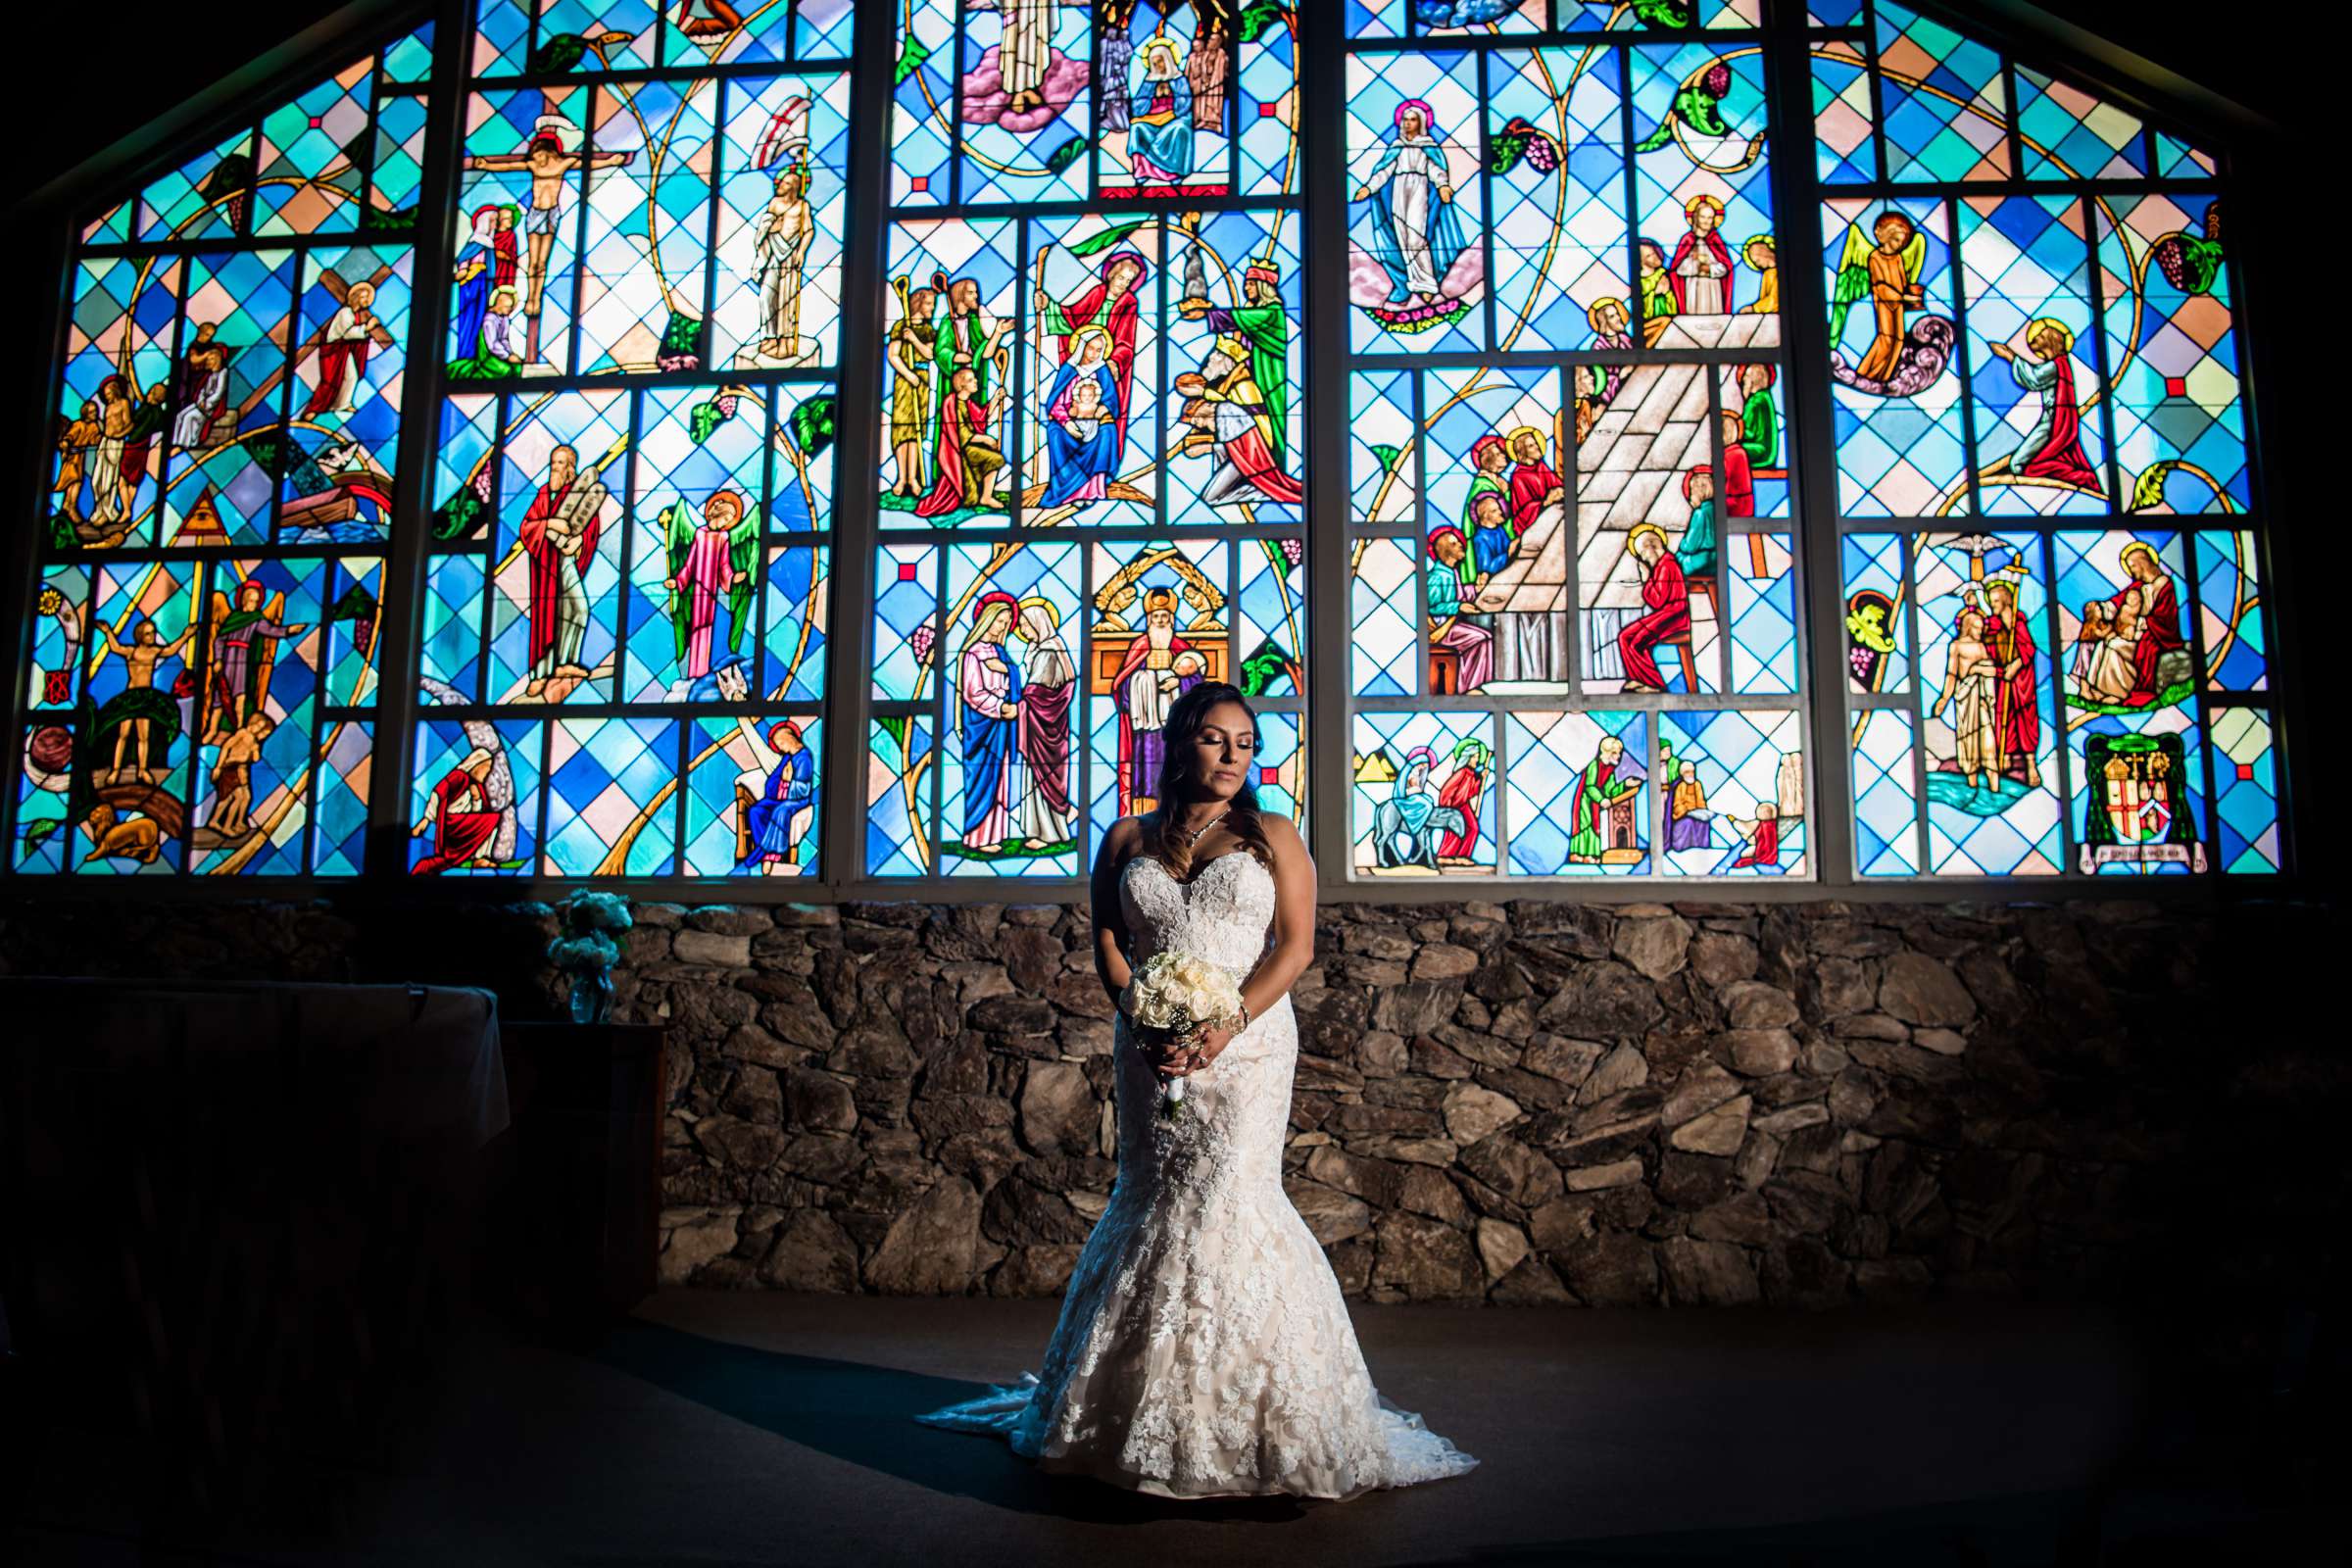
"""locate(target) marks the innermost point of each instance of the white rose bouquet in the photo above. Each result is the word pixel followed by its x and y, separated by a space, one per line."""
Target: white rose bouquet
pixel 1175 995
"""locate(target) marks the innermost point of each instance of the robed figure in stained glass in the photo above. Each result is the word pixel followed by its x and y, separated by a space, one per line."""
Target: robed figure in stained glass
pixel 2127 641
pixel 343 345
pixel 965 453
pixel 911 353
pixel 1261 322
pixel 2017 721
pixel 967 456
pixel 1700 273
pixel 988 690
pixel 559 533
pixel 2053 448
pixel 1110 304
pixel 1145 687
pixel 1049 682
pixel 1666 596
pixel 775 822
pixel 1414 234
pixel 1457 802
pixel 458 815
pixel 1598 788
pixel 1159 133
pixel 719 556
pixel 1228 413
pixel 1082 409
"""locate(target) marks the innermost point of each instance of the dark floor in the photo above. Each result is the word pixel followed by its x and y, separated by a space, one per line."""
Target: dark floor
pixel 736 1429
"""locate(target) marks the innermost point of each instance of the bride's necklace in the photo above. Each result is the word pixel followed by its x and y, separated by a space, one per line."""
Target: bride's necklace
pixel 1194 836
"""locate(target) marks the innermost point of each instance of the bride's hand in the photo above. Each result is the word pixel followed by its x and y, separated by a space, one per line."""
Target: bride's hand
pixel 1211 1043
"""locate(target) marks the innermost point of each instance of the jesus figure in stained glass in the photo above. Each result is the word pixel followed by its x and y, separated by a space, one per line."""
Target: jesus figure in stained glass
pixel 548 162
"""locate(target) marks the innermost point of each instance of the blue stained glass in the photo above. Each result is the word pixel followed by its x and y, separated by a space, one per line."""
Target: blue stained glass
pixel 1578 797
pixel 2230 608
pixel 2246 790
pixel 1401 823
pixel 611 808
pixel 1886 797
pixel 1731 794
pixel 474 808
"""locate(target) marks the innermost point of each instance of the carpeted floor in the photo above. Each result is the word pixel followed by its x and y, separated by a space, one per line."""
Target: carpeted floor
pixel 736 1429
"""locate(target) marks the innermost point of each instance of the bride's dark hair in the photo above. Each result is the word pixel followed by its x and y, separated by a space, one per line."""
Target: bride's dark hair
pixel 1179 788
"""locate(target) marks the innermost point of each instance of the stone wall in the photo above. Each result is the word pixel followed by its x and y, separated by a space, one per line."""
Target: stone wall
pixel 1632 1105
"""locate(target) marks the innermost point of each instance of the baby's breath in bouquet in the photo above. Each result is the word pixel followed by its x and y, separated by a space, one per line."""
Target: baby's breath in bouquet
pixel 1176 994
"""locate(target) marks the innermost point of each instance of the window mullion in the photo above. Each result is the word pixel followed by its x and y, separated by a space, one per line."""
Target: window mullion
pixel 849 662
pixel 400 614
pixel 1813 454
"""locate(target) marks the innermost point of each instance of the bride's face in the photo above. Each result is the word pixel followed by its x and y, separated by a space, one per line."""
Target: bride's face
pixel 1224 750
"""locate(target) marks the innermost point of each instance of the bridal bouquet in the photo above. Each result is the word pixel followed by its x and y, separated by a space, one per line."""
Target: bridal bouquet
pixel 1175 995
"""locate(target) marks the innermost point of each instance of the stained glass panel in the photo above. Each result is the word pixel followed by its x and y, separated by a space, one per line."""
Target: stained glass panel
pixel 1575 802
pixel 1945 103
pixel 2230 612
pixel 1731 796
pixel 205 655
pixel 1900 429
pixel 2067 133
pixel 2173 356
pixel 1422 794
pixel 2024 265
pixel 660 549
pixel 1985 713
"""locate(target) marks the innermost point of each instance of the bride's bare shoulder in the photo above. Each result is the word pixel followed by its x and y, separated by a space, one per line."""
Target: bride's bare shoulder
pixel 1121 841
pixel 1281 835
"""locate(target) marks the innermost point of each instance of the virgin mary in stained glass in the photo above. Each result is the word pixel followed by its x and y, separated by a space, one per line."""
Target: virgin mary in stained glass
pixel 1414 234
pixel 1082 434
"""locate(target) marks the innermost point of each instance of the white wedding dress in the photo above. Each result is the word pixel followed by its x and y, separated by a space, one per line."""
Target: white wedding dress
pixel 1204 1349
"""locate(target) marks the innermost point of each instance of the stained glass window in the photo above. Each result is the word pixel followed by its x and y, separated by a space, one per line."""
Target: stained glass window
pixel 2055 669
pixel 220 494
pixel 1090 491
pixel 979 339
pixel 626 608
pixel 1572 573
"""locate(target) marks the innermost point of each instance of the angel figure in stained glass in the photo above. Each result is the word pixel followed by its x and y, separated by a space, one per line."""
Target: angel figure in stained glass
pixel 1886 270
pixel 245 639
pixel 719 556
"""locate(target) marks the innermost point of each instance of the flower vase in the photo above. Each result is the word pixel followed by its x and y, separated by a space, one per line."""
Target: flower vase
pixel 592 996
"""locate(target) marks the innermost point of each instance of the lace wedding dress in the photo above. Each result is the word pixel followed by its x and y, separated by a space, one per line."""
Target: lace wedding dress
pixel 1204 1350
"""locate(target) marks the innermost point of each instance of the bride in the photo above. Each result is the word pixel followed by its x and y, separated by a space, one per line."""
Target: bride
pixel 1204 1350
